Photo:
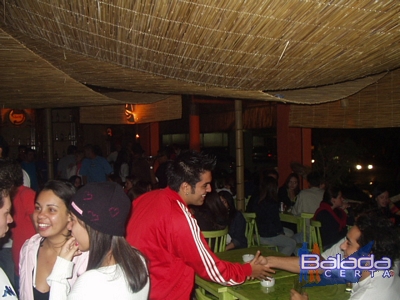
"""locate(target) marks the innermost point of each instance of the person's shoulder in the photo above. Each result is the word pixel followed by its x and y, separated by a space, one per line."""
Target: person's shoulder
pixel 302 193
pixel 158 199
pixel 31 242
pixel 26 191
pixel 34 239
pixel 83 258
pixel 8 291
pixel 85 161
pixel 322 215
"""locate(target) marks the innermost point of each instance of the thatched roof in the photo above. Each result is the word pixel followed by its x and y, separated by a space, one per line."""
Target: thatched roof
pixel 295 51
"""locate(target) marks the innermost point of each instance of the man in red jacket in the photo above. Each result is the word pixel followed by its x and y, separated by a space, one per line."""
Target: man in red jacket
pixel 163 229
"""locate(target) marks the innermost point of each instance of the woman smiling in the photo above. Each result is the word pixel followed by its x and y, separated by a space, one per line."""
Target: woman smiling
pixel 39 253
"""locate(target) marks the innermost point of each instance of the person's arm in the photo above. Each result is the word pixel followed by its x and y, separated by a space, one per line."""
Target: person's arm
pixel 287 263
pixel 292 263
pixel 296 209
pixel 395 198
pixel 107 167
pixel 284 197
pixel 237 232
pixel 297 296
pixel 83 171
pixel 193 249
pixel 58 279
pixel 63 270
pixel 394 209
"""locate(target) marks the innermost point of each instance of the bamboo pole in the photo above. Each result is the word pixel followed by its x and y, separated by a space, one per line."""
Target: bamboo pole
pixel 49 144
pixel 239 156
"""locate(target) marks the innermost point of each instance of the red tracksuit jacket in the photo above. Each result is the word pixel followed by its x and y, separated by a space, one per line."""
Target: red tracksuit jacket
pixel 163 229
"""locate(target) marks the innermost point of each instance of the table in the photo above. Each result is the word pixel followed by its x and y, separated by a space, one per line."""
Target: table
pixel 288 217
pixel 252 290
pixel 281 290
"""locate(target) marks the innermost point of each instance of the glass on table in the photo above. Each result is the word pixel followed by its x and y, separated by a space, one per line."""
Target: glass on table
pixel 298 284
pixel 349 287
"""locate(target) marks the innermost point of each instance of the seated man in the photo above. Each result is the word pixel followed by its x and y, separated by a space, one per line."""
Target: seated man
pixel 368 227
pixel 308 200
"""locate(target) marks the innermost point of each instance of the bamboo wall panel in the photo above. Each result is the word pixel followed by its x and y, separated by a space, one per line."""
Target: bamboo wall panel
pixel 376 106
pixel 168 109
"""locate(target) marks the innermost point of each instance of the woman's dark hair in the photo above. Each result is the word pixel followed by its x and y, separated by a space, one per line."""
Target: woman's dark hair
pixel 330 192
pixel 217 208
pixel 8 169
pixel 128 258
pixel 378 228
pixel 62 189
pixel 231 204
pixel 268 189
pixel 188 167
pixel 286 184
pixel 73 178
pixel 138 189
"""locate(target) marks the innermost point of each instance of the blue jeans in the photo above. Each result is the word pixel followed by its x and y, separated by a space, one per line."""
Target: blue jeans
pixel 286 245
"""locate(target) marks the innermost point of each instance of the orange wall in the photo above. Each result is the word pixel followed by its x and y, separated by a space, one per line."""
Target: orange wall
pixel 293 144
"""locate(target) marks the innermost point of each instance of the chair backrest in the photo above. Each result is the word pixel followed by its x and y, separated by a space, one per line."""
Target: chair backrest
pixel 305 227
pixel 315 227
pixel 251 232
pixel 246 201
pixel 216 239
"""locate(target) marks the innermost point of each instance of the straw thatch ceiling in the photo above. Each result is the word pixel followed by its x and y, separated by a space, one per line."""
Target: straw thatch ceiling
pixel 295 51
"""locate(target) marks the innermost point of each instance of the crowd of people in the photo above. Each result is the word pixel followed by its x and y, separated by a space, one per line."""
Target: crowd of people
pixel 129 226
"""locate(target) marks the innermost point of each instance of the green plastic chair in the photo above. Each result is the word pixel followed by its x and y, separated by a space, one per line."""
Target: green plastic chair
pixel 315 227
pixel 216 239
pixel 251 233
pixel 200 295
pixel 306 229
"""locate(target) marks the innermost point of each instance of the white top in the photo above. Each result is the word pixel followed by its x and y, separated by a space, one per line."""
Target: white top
pixel 103 283
pixel 124 171
pixel 308 201
pixel 378 287
pixel 26 179
pixel 335 249
pixel 6 290
pixel 371 288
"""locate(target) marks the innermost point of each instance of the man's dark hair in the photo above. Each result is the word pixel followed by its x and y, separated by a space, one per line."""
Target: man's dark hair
pixel 314 179
pixel 188 167
pixel 8 175
pixel 376 227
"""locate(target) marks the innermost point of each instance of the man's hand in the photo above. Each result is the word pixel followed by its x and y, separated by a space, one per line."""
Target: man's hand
pixel 260 267
pixel 297 296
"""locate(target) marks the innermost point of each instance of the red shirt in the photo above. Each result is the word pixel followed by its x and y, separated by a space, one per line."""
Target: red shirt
pixel 23 206
pixel 164 230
